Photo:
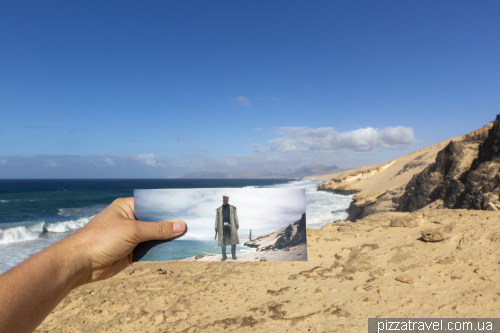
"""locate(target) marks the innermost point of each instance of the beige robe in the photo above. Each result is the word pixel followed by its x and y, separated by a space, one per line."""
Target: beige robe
pixel 235 225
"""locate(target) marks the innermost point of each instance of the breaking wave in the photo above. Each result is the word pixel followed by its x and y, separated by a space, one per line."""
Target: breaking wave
pixel 17 234
pixel 67 226
pixel 321 207
pixel 34 231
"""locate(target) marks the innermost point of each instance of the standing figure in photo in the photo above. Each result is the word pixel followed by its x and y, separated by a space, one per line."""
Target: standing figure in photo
pixel 227 225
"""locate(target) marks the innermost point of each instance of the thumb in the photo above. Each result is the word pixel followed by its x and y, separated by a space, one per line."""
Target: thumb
pixel 159 230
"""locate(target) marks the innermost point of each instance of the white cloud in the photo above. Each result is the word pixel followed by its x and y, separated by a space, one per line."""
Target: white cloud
pixel 257 148
pixel 179 137
pixel 292 148
pixel 325 139
pixel 148 159
pixel 108 161
pixel 102 160
pixel 286 145
pixel 242 100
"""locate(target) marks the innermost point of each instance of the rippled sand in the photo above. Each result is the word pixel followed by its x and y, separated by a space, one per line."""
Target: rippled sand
pixel 355 271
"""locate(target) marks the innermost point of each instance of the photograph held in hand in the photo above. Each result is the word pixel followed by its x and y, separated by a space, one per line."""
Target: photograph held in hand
pixel 253 224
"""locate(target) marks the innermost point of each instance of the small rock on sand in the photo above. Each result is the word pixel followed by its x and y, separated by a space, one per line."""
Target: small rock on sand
pixel 447 261
pixel 404 279
pixel 439 234
pixel 407 223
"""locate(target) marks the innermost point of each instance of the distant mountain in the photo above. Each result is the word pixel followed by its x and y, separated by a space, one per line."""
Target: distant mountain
pixel 310 170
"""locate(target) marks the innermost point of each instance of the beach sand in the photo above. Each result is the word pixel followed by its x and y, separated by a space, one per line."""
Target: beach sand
pixel 296 253
pixel 355 271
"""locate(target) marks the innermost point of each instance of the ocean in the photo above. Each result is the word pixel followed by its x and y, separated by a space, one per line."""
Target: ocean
pixel 37 213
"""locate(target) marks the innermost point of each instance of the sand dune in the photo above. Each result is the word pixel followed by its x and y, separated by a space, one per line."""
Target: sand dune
pixel 355 271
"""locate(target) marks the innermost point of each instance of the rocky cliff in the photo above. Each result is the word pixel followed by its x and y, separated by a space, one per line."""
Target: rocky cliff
pixel 290 236
pixel 466 174
pixel 431 175
pixel 378 188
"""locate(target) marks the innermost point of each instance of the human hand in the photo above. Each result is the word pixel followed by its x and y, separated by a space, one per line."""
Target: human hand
pixel 97 251
pixel 106 243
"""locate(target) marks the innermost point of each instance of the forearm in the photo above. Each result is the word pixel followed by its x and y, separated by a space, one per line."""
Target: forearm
pixel 101 249
pixel 31 290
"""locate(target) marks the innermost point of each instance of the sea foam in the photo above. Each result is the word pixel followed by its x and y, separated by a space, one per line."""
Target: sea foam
pixel 33 232
pixel 321 207
pixel 19 234
pixel 67 225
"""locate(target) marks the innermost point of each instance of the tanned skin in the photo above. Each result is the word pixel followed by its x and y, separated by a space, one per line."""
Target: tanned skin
pixel 99 250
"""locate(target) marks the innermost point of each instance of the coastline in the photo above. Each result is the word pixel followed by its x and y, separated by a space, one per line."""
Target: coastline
pixel 296 253
pixel 429 263
pixel 20 240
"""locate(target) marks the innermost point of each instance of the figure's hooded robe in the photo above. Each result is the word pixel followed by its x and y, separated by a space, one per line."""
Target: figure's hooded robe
pixel 235 225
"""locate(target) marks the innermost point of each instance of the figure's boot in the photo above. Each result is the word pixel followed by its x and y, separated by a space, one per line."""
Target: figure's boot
pixel 233 251
pixel 224 257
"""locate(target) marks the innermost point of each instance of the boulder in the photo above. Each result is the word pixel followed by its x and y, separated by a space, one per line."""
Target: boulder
pixel 439 234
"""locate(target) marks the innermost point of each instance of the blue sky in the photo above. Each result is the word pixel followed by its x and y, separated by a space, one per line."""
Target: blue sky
pixel 162 88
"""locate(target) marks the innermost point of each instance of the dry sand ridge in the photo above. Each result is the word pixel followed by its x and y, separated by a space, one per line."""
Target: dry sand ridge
pixel 355 271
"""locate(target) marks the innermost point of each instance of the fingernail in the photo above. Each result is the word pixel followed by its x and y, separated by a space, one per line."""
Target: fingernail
pixel 178 227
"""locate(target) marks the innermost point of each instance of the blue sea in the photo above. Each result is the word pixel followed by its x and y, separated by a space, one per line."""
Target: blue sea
pixel 37 213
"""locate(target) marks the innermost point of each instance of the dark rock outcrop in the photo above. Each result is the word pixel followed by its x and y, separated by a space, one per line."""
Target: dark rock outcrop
pixel 292 235
pixel 490 147
pixel 483 179
pixel 437 181
pixel 466 174
pixel 360 208
pixel 341 191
